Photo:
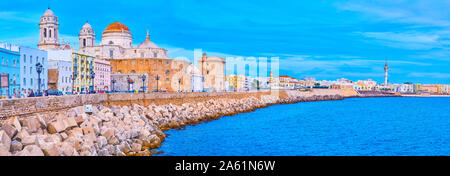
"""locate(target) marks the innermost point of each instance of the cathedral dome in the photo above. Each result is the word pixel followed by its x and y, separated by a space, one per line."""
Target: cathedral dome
pixel 147 43
pixel 116 27
pixel 48 12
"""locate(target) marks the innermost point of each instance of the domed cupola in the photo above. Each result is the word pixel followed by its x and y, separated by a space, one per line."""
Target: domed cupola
pixel 117 34
pixel 147 43
pixel 86 36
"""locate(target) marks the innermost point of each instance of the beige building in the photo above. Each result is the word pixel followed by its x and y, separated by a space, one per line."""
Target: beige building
pixel 213 71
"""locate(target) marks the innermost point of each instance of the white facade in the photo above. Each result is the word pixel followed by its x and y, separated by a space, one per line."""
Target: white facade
pixel 29 77
pixel 196 78
pixel 62 60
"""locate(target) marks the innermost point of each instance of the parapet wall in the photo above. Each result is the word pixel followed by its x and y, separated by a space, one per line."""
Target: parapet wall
pixel 24 106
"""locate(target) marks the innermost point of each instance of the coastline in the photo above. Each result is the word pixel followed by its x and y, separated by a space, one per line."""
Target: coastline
pixel 131 129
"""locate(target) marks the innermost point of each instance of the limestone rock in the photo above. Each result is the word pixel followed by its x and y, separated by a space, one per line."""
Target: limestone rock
pixel 33 125
pixel 10 130
pixel 16 146
pixel 4 151
pixel 29 140
pixel 102 141
pixel 34 150
pixel 56 127
pixel 22 134
pixel 5 140
pixel 135 147
pixel 50 149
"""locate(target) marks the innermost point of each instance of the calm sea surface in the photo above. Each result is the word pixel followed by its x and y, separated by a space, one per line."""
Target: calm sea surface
pixel 357 126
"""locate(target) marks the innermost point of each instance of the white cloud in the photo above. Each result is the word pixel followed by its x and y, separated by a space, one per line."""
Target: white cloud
pixel 433 75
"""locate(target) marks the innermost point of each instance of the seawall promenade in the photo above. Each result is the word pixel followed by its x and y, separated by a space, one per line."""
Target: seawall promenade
pixel 123 124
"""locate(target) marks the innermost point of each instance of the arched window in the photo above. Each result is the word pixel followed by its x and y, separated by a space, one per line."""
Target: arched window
pixel 50 33
pixel 111 53
pixel 167 72
pixel 84 42
pixel 45 32
pixel 111 42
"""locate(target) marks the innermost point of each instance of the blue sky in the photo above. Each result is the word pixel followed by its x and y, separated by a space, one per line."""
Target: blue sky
pixel 322 39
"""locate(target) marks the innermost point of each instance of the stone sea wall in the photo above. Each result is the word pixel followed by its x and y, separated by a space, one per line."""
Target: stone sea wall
pixel 123 124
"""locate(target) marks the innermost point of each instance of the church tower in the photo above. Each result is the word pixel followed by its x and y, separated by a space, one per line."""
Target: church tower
pixel 86 36
pixel 48 31
pixel 386 68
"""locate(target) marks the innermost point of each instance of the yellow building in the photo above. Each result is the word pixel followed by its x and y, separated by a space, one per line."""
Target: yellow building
pixel 83 71
pixel 236 82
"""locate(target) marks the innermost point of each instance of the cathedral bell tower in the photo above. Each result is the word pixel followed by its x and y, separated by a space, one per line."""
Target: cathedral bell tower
pixel 48 31
pixel 86 36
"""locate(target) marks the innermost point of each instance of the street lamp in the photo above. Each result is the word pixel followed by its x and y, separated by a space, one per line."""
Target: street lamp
pixel 113 82
pixel 179 84
pixel 39 70
pixel 74 77
pixel 92 81
pixel 157 83
pixel 143 83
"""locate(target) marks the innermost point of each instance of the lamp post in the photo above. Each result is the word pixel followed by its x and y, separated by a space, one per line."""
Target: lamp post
pixel 74 77
pixel 113 82
pixel 157 83
pixel 39 70
pixel 143 83
pixel 179 84
pixel 92 81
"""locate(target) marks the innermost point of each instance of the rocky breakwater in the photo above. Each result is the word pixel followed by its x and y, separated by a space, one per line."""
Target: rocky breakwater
pixel 120 131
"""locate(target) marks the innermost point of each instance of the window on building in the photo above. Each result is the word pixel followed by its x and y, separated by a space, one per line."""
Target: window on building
pixel 31 82
pixel 42 61
pixel 24 82
pixel 31 70
pixel 167 72
pixel 45 32
pixel 132 71
pixel 111 43
pixel 37 59
pixel 142 55
pixel 155 55
pixel 24 58
pixel 31 59
pixel 50 33
pixel 3 60
pixel 167 62
pixel 111 54
pixel 24 69
pixel 132 62
pixel 84 42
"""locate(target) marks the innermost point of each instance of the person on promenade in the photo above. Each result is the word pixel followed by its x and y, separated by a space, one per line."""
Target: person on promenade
pixel 31 94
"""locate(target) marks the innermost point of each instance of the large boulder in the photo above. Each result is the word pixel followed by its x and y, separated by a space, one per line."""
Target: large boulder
pixel 16 146
pixel 34 150
pixel 5 140
pixel 10 130
pixel 4 151
pixel 56 127
pixel 29 140
pixel 33 125
pixel 50 149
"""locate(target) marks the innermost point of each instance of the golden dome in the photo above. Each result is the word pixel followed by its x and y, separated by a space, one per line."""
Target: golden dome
pixel 116 27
